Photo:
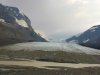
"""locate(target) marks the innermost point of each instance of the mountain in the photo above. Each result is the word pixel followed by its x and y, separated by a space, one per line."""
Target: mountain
pixel 15 27
pixel 89 38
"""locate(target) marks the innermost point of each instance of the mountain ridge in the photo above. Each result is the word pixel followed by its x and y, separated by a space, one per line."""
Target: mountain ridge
pixel 89 38
pixel 15 27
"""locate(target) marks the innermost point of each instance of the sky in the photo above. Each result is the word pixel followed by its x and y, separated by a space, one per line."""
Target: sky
pixel 59 19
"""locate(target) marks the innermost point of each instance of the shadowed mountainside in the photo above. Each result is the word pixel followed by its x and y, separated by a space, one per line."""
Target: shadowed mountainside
pixel 15 27
pixel 89 38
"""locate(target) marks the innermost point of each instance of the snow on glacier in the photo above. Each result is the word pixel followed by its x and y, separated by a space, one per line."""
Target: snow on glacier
pixel 49 46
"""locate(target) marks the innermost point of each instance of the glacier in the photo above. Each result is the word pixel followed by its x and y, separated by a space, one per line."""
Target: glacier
pixel 50 46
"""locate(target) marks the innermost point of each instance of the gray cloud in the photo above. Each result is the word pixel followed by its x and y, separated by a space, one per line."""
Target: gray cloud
pixel 53 18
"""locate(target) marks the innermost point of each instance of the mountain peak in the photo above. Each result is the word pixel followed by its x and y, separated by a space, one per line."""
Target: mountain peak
pixel 15 27
pixel 89 38
pixel 13 15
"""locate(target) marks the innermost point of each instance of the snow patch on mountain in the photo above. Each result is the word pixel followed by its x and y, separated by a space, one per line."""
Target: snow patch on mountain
pixel 74 41
pixel 21 22
pixel 2 20
pixel 93 28
pixel 85 41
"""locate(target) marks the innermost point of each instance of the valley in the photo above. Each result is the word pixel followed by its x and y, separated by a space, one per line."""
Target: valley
pixel 36 58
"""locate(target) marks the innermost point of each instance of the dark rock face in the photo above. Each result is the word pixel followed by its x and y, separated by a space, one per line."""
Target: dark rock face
pixel 10 14
pixel 90 38
pixel 15 27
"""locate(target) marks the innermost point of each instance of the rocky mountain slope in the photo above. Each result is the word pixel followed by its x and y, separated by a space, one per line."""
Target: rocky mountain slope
pixel 15 27
pixel 89 38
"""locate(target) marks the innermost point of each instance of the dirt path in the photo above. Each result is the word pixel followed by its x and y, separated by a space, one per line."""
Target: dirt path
pixel 40 64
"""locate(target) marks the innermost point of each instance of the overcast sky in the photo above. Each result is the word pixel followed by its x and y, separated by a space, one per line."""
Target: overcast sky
pixel 59 18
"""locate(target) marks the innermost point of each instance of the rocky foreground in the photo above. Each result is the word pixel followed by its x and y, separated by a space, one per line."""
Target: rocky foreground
pixel 50 70
pixel 48 59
